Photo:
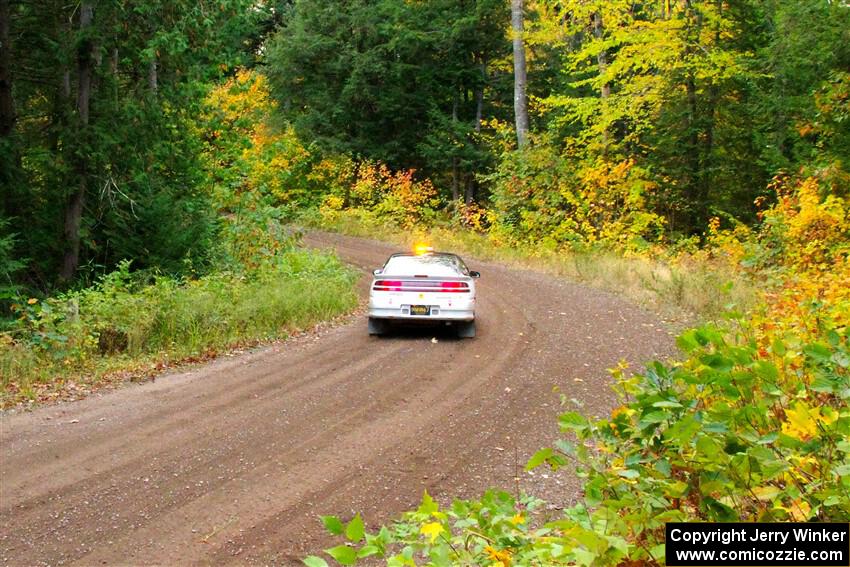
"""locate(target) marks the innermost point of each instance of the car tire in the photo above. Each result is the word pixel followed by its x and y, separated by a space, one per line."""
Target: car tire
pixel 466 330
pixel 377 327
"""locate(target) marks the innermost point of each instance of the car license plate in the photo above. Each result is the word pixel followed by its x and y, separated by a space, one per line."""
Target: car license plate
pixel 420 310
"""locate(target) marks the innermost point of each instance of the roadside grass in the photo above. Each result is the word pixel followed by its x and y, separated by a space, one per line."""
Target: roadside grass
pixel 135 325
pixel 679 287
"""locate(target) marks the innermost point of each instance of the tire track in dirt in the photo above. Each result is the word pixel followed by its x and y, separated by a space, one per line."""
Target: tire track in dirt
pixel 231 462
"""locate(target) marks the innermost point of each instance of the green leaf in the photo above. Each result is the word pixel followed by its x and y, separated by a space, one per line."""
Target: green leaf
pixel 834 500
pixel 843 470
pixel 538 458
pixel 368 551
pixel 652 418
pixel 593 490
pixel 768 438
pixel 683 430
pixel 313 561
pixel 396 561
pixel 573 421
pixel 565 447
pixel 823 384
pixel 676 489
pixel 766 370
pixel 343 554
pixel 718 362
pixel 833 338
pixel 663 466
pixel 708 448
pixel 742 466
pixel 332 524
pixel 715 427
pixel 354 531
pixel 818 352
pixel 687 341
pixel 428 506
pixel 718 511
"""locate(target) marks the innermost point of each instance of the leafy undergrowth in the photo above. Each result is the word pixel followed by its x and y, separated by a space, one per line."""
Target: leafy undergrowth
pixel 259 286
pixel 753 424
pixel 132 325
pixel 257 165
pixel 675 284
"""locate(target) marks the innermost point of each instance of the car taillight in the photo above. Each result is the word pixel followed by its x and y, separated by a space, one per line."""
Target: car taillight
pixel 388 285
pixel 456 287
pixel 421 286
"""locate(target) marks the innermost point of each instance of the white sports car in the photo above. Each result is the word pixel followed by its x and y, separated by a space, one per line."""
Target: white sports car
pixel 421 287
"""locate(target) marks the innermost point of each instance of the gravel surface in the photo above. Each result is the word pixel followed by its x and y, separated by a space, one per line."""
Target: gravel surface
pixel 232 462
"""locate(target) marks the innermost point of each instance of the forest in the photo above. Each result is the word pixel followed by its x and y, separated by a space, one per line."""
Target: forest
pixel 158 160
pixel 643 121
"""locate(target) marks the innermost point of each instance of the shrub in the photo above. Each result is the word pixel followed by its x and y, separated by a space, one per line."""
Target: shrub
pixel 249 158
pixel 378 195
pixel 540 197
pixel 752 425
pixel 134 316
pixel 9 265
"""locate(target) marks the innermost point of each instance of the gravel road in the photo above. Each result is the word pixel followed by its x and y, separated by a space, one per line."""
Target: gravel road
pixel 233 461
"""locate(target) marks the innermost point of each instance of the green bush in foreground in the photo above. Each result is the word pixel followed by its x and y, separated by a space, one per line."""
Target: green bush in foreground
pixel 128 317
pixel 733 433
pixel 753 424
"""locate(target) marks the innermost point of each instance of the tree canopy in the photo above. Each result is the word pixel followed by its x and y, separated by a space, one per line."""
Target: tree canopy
pixel 646 120
pixel 705 100
pixel 100 152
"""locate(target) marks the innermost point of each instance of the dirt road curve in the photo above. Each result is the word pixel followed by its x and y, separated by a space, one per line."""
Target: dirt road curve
pixel 231 463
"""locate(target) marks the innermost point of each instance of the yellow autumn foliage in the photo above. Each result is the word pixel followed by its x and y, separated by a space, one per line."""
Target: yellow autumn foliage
pixel 431 530
pixel 816 226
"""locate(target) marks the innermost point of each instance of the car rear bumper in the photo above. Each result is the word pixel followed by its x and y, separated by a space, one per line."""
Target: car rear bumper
pixel 437 314
pixel 442 306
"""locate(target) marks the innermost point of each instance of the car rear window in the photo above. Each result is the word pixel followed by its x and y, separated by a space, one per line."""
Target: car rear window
pixel 429 264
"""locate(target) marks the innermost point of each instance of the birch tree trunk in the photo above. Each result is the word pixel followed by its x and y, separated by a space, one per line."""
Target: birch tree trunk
pixel 479 97
pixel 153 78
pixel 455 166
pixel 520 75
pixel 602 57
pixel 113 62
pixel 693 157
pixel 471 182
pixel 602 65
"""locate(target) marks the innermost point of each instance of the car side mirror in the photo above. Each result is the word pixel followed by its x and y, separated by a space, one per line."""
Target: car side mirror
pixel 377 272
pixel 474 274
